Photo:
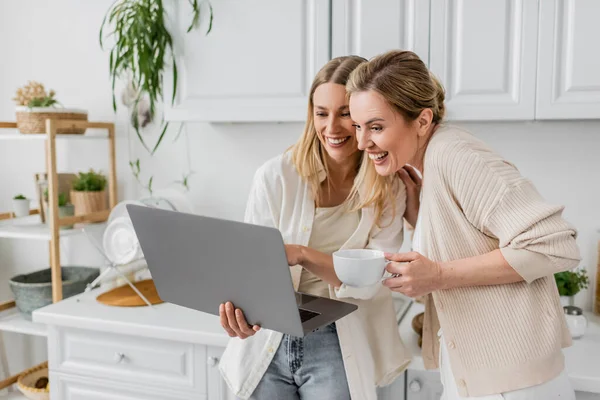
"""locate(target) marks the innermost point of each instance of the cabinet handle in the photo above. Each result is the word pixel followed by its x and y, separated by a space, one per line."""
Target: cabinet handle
pixel 414 386
pixel 119 357
pixel 213 361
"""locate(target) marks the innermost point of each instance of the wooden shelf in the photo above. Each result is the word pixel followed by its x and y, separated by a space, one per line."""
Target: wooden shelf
pixel 13 321
pixel 15 135
pixel 31 227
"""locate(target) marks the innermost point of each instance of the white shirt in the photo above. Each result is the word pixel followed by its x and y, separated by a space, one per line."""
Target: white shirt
pixel 371 347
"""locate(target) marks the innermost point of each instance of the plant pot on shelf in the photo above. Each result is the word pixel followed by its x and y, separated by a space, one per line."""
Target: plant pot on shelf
pixel 34 290
pixel 21 207
pixel 33 120
pixel 567 301
pixel 88 202
pixel 63 211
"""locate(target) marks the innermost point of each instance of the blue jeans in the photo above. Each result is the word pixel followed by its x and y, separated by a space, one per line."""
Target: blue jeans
pixel 308 368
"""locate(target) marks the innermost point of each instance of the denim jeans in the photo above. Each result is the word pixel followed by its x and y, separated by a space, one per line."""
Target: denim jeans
pixel 308 368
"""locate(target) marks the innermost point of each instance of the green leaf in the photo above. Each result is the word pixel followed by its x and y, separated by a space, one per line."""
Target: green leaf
pixel 210 21
pixel 160 138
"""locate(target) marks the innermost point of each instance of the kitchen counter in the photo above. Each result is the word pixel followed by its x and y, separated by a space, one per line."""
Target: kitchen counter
pixel 582 358
pixel 162 321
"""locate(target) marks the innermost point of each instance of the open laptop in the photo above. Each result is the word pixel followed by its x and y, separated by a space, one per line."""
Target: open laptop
pixel 200 262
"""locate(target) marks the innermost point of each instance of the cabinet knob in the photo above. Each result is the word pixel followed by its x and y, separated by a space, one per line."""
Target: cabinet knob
pixel 213 361
pixel 119 357
pixel 414 386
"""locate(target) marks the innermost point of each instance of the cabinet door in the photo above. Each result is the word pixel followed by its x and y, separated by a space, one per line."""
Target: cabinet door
pixel 569 60
pixel 74 387
pixel 484 52
pixel 257 64
pixel 217 388
pixel 367 28
pixel 423 385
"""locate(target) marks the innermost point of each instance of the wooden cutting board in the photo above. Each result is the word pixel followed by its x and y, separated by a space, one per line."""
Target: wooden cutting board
pixel 124 296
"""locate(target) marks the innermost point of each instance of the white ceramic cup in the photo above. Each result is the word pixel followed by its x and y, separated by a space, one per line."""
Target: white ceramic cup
pixel 359 267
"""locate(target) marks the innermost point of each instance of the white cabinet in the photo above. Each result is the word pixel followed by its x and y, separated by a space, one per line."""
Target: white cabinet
pixel 423 385
pixel 569 60
pixel 88 364
pixel 70 387
pixel 367 28
pixel 257 64
pixel 217 388
pixel 484 52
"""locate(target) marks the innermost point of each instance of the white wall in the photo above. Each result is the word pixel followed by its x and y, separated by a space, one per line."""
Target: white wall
pixel 57 43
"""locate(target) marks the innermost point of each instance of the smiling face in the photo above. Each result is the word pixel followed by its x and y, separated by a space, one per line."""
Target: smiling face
pixel 333 123
pixel 390 140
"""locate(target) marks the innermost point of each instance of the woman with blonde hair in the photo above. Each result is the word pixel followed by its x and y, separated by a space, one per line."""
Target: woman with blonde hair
pixel 486 245
pixel 310 193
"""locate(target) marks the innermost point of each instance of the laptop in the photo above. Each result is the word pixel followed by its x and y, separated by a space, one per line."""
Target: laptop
pixel 199 262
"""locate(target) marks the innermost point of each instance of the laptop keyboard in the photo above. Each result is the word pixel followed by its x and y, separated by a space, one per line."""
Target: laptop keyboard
pixel 305 315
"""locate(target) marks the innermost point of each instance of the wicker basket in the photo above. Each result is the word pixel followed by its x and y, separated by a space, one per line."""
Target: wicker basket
pixel 33 120
pixel 27 379
pixel 88 202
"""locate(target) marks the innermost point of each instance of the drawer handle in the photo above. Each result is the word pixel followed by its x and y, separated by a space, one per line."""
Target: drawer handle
pixel 213 361
pixel 119 357
pixel 414 386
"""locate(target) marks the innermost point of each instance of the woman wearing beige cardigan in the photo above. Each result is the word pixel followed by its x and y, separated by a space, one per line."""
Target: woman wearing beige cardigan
pixel 486 243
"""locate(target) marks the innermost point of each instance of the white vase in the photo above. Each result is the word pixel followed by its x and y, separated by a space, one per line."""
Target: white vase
pixel 567 300
pixel 21 207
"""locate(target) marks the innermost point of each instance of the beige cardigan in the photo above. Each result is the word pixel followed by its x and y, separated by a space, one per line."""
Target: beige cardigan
pixel 503 337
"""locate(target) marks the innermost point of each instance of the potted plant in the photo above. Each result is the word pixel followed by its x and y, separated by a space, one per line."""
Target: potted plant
pixel 570 283
pixel 35 105
pixel 88 192
pixel 20 206
pixel 65 209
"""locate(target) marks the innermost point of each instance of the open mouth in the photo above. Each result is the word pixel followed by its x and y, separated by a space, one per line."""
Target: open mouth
pixel 378 158
pixel 337 142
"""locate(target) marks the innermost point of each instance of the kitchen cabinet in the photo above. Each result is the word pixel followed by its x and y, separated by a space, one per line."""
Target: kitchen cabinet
pixel 423 385
pixel 484 52
pixel 101 352
pixel 257 64
pixel 568 79
pixel 367 28
pixel 217 388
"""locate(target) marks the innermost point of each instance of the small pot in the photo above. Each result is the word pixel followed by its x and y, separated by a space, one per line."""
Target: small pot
pixel 21 207
pixel 63 211
pixel 576 321
pixel 88 202
pixel 567 301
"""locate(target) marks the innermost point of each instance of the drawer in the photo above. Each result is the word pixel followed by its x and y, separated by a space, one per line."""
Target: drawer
pixel 135 360
pixel 71 387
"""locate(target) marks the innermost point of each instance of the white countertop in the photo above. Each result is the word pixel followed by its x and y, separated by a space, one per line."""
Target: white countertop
pixel 162 321
pixel 582 358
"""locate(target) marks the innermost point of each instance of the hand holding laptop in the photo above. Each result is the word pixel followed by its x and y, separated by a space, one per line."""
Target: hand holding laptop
pixel 234 322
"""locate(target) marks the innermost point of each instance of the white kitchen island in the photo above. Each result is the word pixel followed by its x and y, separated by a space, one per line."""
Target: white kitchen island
pixel 99 352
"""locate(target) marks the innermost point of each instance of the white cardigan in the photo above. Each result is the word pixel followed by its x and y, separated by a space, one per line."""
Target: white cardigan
pixel 373 352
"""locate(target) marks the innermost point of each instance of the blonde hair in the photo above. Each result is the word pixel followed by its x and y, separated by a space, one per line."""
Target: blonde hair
pixel 308 154
pixel 407 85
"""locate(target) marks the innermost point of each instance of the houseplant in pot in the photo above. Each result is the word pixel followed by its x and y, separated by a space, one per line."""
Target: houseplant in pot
pixel 20 206
pixel 569 283
pixel 65 209
pixel 35 105
pixel 88 193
